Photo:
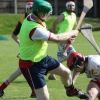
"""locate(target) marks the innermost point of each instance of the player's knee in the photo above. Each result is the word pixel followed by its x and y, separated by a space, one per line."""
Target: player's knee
pixel 91 95
pixel 66 73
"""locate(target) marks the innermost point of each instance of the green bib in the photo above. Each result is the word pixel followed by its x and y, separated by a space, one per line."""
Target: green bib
pixel 34 50
pixel 67 24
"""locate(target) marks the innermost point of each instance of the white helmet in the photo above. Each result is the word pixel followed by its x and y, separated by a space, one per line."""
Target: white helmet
pixel 29 5
pixel 70 3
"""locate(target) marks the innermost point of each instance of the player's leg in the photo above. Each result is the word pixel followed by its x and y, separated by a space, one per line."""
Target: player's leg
pixel 33 95
pixel 93 90
pixel 14 75
pixel 36 81
pixel 11 78
pixel 66 79
pixel 64 73
pixel 60 57
pixel 34 74
pixel 42 92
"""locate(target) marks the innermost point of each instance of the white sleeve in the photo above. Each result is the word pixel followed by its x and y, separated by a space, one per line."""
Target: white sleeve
pixel 95 59
pixel 40 34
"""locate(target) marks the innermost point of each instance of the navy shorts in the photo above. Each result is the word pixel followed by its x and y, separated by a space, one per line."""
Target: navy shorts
pixel 35 73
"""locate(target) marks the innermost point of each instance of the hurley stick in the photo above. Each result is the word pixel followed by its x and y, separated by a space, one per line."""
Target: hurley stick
pixel 86 31
pixel 87 5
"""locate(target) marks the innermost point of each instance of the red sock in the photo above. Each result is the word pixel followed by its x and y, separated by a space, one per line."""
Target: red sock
pixel 73 90
pixel 4 85
pixel 70 89
pixel 33 92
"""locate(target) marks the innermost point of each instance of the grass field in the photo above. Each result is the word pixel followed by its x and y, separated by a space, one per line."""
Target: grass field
pixel 9 21
pixel 19 89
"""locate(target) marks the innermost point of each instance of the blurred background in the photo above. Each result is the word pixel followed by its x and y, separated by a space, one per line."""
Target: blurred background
pixel 18 7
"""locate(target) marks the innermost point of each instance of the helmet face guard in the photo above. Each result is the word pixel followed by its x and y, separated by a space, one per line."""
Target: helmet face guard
pixel 75 60
pixel 29 5
pixel 77 63
pixel 47 16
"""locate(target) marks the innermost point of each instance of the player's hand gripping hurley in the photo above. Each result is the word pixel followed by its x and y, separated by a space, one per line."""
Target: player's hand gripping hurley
pixel 87 5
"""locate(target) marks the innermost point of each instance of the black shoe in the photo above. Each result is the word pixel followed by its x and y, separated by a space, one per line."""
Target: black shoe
pixel 82 95
pixel 1 93
pixel 79 94
pixel 33 96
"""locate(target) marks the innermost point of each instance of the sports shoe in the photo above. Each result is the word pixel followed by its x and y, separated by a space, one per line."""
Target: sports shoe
pixel 78 94
pixel 1 93
pixel 52 77
pixel 33 96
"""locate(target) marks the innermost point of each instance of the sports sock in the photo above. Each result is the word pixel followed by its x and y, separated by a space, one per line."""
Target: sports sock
pixel 4 85
pixel 33 92
pixel 70 89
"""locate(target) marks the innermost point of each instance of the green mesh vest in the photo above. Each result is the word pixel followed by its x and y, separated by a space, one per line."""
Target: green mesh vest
pixel 67 24
pixel 35 50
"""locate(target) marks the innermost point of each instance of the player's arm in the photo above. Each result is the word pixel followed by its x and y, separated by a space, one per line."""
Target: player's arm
pixel 64 37
pixel 56 22
pixel 43 34
pixel 15 38
pixel 16 32
pixel 75 76
pixel 75 24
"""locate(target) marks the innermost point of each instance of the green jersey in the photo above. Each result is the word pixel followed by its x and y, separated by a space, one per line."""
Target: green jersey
pixel 33 50
pixel 67 24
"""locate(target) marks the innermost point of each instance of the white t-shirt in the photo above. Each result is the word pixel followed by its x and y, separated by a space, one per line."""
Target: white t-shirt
pixel 39 33
pixel 93 69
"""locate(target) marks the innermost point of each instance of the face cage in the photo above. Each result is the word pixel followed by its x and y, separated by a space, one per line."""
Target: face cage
pixel 77 66
pixel 28 9
pixel 47 16
pixel 74 64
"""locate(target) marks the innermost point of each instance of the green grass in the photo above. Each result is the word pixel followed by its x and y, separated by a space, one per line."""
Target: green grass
pixel 19 89
pixel 9 21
